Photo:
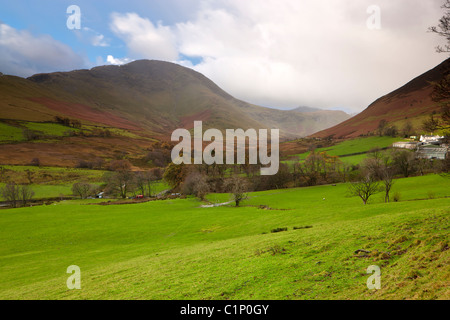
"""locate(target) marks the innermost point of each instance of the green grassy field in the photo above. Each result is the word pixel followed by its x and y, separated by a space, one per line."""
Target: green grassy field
pixel 346 150
pixel 9 133
pixel 53 182
pixel 175 249
pixel 51 129
pixel 49 175
pixel 43 191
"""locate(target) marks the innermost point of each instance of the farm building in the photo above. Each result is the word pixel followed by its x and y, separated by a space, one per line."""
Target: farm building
pixel 432 152
pixel 405 145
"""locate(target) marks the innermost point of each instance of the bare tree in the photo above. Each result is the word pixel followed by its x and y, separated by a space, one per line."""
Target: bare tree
pixel 441 92
pixel 25 194
pixel 443 28
pixel 120 183
pixel 379 166
pixel 11 193
pixel 365 188
pixel 238 188
pixel 202 187
pixel 144 181
pixel 373 166
pixel 81 189
pixel 387 173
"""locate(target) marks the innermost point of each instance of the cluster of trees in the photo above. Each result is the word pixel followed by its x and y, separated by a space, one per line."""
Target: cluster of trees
pixel 320 168
pixel 378 171
pixel 97 163
pixel 121 180
pixel 68 122
pixel 17 195
pixel 391 130
pixel 96 132
pixel 159 155
pixel 84 189
pixel 31 135
pixel 375 174
pixel 384 129
pixel 196 181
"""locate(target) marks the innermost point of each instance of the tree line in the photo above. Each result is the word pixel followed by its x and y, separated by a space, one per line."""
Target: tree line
pixel 17 195
pixel 120 181
pixel 375 174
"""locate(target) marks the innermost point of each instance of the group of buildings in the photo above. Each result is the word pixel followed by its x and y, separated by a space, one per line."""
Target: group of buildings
pixel 428 147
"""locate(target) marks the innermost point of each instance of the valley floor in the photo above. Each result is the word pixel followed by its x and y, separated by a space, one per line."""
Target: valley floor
pixel 176 249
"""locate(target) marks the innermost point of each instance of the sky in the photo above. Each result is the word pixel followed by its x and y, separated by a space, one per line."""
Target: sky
pixel 330 54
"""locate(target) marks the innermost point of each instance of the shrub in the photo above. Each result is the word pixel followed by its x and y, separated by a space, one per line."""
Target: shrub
pixel 35 162
pixel 83 164
pixel 305 227
pixel 276 249
pixel 278 230
pixel 397 197
pixel 31 135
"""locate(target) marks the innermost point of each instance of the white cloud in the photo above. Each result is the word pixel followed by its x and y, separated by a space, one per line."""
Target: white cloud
pixel 93 37
pixel 117 61
pixel 280 53
pixel 24 54
pixel 317 53
pixel 143 38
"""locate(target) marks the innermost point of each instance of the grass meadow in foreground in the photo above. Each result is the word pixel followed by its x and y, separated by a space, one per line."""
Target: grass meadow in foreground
pixel 175 249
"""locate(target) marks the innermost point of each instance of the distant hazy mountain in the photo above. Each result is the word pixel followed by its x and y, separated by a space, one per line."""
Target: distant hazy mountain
pixel 306 109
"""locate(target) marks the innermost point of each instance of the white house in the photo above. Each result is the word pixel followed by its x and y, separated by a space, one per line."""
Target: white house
pixel 430 139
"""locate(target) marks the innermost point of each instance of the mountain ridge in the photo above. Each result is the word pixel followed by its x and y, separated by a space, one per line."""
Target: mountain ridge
pixel 124 111
pixel 159 96
pixel 410 103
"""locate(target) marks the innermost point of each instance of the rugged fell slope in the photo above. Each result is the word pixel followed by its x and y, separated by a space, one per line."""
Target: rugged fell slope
pixel 410 103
